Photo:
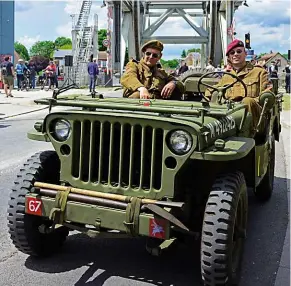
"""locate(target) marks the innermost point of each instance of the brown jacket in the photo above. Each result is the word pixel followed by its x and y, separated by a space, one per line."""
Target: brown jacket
pixel 138 74
pixel 255 78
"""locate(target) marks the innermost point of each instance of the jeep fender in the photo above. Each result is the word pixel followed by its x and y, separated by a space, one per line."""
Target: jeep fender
pixel 235 148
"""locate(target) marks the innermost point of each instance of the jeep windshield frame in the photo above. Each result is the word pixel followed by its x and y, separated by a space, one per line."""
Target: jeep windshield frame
pixel 151 106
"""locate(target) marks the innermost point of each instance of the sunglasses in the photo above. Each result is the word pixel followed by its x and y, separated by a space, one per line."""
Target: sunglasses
pixel 154 55
pixel 237 51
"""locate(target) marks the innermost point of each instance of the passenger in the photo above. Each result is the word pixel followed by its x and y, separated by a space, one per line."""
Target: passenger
pixel 144 79
pixel 255 78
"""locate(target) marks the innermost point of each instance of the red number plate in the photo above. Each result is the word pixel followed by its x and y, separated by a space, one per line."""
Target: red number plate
pixel 157 228
pixel 34 206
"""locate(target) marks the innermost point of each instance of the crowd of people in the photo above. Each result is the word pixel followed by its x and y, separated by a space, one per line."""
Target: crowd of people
pixel 25 73
pixel 273 71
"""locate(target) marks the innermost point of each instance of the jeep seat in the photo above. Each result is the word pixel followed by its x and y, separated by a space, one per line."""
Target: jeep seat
pixel 191 83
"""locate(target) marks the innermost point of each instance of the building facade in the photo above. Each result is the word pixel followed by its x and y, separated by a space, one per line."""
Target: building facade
pixel 6 29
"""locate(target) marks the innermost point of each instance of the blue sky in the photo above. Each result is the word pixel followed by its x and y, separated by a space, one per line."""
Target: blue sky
pixel 268 21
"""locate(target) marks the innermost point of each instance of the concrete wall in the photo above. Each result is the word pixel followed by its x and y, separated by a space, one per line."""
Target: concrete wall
pixel 7 28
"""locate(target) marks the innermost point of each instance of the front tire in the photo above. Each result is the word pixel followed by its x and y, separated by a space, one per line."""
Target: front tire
pixel 24 228
pixel 223 231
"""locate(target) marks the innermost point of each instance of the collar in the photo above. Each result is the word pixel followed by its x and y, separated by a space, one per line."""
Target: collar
pixel 147 68
pixel 246 69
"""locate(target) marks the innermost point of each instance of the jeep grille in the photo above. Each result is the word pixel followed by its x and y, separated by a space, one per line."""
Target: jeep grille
pixel 116 154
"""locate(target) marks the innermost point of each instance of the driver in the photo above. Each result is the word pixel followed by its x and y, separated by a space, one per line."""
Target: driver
pixel 146 79
pixel 255 78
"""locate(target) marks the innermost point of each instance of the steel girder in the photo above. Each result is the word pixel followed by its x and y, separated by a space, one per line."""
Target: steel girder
pixel 136 26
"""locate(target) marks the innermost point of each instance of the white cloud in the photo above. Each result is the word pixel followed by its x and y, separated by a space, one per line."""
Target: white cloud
pixel 28 41
pixel 64 30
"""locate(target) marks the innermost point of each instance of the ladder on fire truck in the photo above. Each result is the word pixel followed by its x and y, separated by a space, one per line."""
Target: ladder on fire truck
pixel 82 43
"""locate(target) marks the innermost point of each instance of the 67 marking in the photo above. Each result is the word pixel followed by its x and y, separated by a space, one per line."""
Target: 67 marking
pixel 34 206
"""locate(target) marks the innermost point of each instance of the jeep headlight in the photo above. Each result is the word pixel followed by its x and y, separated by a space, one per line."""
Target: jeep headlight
pixel 61 130
pixel 180 142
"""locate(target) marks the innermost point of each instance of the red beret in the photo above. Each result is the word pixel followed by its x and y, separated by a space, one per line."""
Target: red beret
pixel 234 44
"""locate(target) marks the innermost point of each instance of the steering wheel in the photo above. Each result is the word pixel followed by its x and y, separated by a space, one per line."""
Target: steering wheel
pixel 220 90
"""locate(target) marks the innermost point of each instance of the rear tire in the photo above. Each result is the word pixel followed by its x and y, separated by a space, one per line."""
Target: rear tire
pixel 264 190
pixel 223 231
pixel 24 228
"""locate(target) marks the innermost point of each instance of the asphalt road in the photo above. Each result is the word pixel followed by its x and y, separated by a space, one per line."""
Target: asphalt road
pixel 112 262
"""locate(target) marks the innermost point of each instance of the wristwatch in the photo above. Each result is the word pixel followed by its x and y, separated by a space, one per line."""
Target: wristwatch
pixel 175 82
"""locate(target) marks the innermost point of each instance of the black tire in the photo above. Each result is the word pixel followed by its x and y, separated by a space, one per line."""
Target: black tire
pixel 24 228
pixel 223 230
pixel 264 190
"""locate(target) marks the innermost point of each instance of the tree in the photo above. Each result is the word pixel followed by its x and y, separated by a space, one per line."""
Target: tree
pixel 261 54
pixel 183 55
pixel 62 41
pixel 43 48
pixel 21 50
pixel 65 47
pixel 41 62
pixel 194 50
pixel 102 35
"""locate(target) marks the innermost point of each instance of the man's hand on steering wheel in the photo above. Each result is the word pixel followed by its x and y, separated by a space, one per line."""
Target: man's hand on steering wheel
pixel 221 90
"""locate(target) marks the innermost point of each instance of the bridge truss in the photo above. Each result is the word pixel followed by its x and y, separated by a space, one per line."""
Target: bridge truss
pixel 135 22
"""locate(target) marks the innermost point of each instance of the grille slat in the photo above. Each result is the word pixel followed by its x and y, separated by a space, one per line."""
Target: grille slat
pixel 131 158
pixel 142 157
pixel 92 152
pixel 81 165
pixel 153 157
pixel 126 156
pixel 120 156
pixel 100 152
pixel 110 151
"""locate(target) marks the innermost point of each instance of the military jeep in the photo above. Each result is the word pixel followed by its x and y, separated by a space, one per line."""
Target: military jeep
pixel 167 170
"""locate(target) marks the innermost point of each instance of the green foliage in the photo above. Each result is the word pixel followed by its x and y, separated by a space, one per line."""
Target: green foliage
pixel 43 48
pixel 170 64
pixel 62 41
pixel 65 47
pixel 194 50
pixel 261 54
pixel 285 56
pixel 41 62
pixel 183 55
pixel 21 50
pixel 102 35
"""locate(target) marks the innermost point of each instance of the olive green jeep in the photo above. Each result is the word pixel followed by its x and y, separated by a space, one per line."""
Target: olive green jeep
pixel 168 170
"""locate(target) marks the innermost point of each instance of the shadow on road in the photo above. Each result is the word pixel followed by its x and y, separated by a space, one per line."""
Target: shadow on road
pixel 127 257
pixel 4 126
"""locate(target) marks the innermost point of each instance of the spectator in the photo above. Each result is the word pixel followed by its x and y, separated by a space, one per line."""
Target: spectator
pixel 32 68
pixel 51 71
pixel 56 76
pixel 183 68
pixel 273 76
pixel 93 71
pixel 287 78
pixel 7 76
pixel 20 69
pixel 210 67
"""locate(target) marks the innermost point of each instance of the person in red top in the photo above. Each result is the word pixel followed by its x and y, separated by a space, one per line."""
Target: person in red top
pixel 50 71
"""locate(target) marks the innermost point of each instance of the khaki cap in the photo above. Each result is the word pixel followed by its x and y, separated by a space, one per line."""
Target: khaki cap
pixel 154 44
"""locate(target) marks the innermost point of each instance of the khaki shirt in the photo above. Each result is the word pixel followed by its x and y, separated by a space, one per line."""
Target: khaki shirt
pixel 138 74
pixel 255 78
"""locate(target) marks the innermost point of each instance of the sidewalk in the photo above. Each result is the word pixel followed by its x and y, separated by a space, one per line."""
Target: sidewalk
pixel 22 102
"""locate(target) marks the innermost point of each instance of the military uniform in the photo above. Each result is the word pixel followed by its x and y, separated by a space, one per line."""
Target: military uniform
pixel 138 74
pixel 256 80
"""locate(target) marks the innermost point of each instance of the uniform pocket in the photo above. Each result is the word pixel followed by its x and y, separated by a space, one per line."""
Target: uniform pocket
pixel 253 86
